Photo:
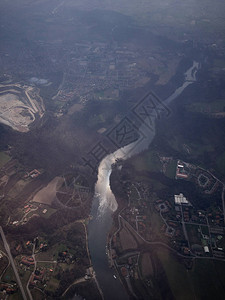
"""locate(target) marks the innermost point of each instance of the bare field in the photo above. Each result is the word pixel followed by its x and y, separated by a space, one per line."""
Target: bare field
pixel 127 241
pixel 18 107
pixel 48 194
pixel 17 188
pixel 74 108
pixel 146 265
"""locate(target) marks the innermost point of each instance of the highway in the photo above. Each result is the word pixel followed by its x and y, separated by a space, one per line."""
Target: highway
pixel 223 202
pixel 6 245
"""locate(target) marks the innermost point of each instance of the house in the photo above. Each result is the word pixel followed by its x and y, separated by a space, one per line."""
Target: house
pixel 206 249
pixel 124 271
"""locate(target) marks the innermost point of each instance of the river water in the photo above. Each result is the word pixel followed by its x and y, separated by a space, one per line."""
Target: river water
pixel 104 202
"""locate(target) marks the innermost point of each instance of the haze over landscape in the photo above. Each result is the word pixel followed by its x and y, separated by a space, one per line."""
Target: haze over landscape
pixel 112 153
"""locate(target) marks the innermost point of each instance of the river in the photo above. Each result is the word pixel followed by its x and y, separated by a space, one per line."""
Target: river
pixel 104 202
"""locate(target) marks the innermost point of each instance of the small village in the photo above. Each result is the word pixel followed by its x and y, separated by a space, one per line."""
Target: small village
pixel 40 262
pixel 174 223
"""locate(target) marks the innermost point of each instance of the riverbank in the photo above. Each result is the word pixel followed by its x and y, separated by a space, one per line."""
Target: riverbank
pixel 105 203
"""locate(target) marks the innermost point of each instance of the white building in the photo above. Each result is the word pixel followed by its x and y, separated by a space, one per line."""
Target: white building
pixel 206 249
pixel 180 199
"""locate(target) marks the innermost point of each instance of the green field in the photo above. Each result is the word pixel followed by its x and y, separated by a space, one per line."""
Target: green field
pixel 37 294
pixel 205 230
pixel 193 234
pixel 220 163
pixel 156 185
pixel 149 161
pixel 52 253
pixel 134 195
pixel 96 120
pixel 16 296
pixel 46 265
pixel 171 169
pixel 50 211
pixel 52 285
pixel 24 276
pixel 4 158
pixel 157 224
pixel 196 148
pixel 202 107
pixel 205 281
pixel 9 275
pixel 177 275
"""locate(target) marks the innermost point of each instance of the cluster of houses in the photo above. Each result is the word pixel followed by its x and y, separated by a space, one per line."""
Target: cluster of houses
pixel 7 288
pixel 65 257
pixel 27 260
pixel 32 174
pixel 38 275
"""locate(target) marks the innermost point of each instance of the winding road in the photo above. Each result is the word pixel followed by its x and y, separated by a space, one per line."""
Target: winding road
pixel 6 245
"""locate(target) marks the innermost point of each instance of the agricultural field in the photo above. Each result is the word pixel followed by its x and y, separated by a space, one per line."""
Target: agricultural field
pixel 4 158
pixel 190 284
pixel 177 275
pixel 48 194
pixel 149 161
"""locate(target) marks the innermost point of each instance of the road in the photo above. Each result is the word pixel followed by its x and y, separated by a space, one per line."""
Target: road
pixel 223 203
pixel 80 280
pixel 35 265
pixel 12 263
pixel 169 248
pixel 4 254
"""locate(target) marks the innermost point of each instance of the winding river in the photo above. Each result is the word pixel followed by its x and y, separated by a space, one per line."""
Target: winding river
pixel 104 202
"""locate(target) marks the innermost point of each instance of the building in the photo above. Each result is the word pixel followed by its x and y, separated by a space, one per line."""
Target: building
pixel 28 261
pixel 124 271
pixel 180 199
pixel 34 173
pixel 181 171
pixel 206 249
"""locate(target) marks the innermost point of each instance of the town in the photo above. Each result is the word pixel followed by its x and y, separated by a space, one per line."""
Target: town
pixel 175 223
pixel 102 71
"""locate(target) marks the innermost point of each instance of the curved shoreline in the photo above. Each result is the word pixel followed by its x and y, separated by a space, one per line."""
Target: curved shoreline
pixel 102 187
pixel 104 203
